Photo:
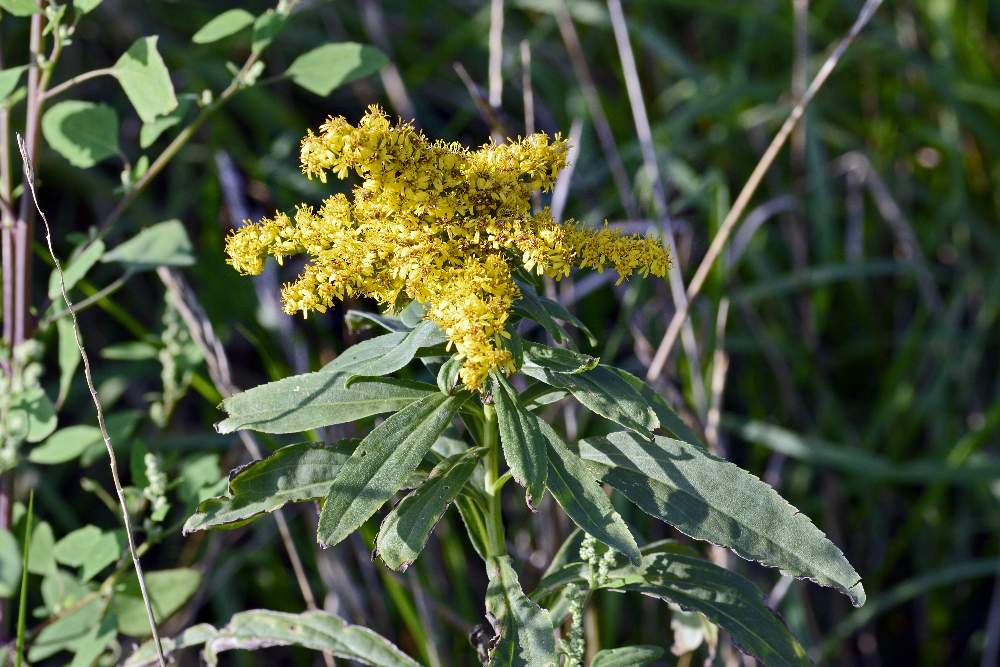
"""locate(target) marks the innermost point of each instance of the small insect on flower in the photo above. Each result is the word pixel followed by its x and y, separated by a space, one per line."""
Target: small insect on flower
pixel 435 222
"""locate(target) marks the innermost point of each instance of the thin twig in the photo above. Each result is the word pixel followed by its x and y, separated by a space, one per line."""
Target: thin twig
pixel 736 212
pixel 30 181
pixel 79 78
pixel 652 165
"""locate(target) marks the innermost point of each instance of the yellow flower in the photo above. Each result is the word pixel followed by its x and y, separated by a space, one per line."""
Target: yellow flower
pixel 435 222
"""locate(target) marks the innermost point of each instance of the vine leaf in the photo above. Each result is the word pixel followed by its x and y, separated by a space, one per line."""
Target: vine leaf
pixel 168 591
pixel 405 530
pixel 711 499
pixel 581 497
pixel 145 79
pixel 293 474
pixel 84 133
pixel 225 24
pixel 163 244
pixel 523 445
pixel 314 400
pixel 327 67
pixel 525 632
pixel 381 464
pixel 262 628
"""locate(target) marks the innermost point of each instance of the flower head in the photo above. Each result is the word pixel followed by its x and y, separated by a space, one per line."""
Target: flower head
pixel 437 223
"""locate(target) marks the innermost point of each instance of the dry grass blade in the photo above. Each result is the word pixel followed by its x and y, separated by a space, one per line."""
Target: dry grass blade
pixel 750 187
pixel 29 179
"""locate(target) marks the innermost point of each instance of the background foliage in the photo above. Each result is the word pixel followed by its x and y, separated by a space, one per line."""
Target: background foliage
pixel 860 353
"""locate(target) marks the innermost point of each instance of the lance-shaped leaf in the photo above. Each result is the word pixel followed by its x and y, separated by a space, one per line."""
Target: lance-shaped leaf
pixel 724 597
pixel 581 497
pixel 711 499
pixel 524 448
pixel 546 312
pixel 627 656
pixel 293 474
pixel 405 530
pixel 669 419
pixel 604 392
pixel 262 628
pixel 558 359
pixel 381 464
pixel 386 354
pixel 526 632
pixel 313 400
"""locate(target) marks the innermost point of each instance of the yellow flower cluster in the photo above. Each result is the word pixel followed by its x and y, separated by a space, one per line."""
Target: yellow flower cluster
pixel 435 222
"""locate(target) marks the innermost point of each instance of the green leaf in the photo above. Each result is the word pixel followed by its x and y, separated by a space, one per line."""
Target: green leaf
pixel 381 464
pixel 357 320
pixel 76 269
pixel 163 244
pixel 69 356
pixel 10 563
pixel 66 631
pixel 313 400
pixel 582 498
pixel 20 7
pixel 327 67
pixel 10 77
pixel 168 591
pixel 43 543
pixel 530 305
pixel 225 24
pixel 405 530
pixel 85 6
pixel 262 628
pixel 90 647
pixel 89 548
pixel 145 79
pixel 524 448
pixel 526 633
pixel 710 499
pixel 266 28
pixel 293 474
pixel 627 656
pixel 603 391
pixel 669 419
pixel 84 133
pixel 448 377
pixel 388 353
pixel 152 130
pixel 32 416
pixel 65 445
pixel 558 359
pixel 725 598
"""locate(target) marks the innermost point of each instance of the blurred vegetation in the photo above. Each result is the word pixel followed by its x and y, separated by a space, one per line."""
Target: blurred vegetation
pixel 863 291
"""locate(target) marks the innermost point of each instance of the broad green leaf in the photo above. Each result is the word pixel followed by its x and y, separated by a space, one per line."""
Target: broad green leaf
pixel 603 391
pixel 9 78
pixel 32 416
pixel 76 269
pixel 714 500
pixel 152 130
pixel 84 133
pixel 526 635
pixel 327 67
pixel 293 474
pixel 90 647
pixel 43 541
pixel 381 464
pixel 163 244
pixel 627 656
pixel 89 548
pixel 405 530
pixel 262 628
pixel 266 28
pixel 669 419
pixel 524 448
pixel 20 7
pixel 390 353
pixel 65 632
pixel 145 79
pixel 225 24
pixel 69 356
pixel 168 591
pixel 65 444
pixel 582 498
pixel 558 359
pixel 725 598
pixel 10 563
pixel 85 6
pixel 61 590
pixel 313 400
pixel 360 319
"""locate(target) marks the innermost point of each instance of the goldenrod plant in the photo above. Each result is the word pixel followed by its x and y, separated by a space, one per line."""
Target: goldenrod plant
pixel 445 240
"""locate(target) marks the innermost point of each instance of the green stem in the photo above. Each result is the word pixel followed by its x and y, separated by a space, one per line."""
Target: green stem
pixel 497 545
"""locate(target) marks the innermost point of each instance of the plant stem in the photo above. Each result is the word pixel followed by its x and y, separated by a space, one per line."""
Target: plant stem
pixel 497 545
